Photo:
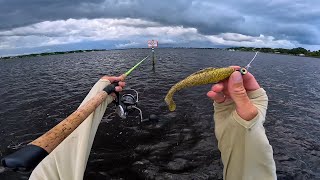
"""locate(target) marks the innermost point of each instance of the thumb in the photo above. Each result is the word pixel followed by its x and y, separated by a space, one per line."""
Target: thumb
pixel 245 109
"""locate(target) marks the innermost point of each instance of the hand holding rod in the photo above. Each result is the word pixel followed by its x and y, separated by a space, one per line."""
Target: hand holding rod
pixel 31 155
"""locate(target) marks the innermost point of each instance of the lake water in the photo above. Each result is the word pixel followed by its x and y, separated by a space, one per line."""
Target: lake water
pixel 37 93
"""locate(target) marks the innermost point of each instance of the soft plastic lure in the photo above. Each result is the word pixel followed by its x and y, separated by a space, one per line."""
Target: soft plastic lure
pixel 202 77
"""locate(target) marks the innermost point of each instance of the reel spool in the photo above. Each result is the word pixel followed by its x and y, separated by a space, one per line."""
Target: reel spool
pixel 127 101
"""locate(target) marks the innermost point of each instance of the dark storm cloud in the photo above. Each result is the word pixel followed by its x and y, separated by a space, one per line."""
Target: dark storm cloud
pixel 295 20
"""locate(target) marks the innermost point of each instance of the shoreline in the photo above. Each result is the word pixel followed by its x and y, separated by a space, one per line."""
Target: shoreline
pixel 231 49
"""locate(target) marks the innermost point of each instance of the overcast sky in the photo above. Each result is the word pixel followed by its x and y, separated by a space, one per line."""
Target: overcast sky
pixel 31 26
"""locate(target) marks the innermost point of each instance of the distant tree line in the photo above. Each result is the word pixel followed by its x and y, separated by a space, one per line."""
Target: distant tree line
pixel 51 53
pixel 295 51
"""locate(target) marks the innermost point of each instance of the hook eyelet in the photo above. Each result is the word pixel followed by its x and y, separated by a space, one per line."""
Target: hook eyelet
pixel 243 71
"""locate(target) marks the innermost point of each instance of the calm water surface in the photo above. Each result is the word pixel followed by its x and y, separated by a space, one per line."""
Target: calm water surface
pixel 37 93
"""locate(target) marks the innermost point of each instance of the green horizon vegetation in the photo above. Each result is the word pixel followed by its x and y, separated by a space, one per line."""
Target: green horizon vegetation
pixel 50 53
pixel 299 51
pixel 295 51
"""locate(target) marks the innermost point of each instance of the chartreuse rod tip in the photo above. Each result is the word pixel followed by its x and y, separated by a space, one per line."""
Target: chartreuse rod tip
pixel 134 67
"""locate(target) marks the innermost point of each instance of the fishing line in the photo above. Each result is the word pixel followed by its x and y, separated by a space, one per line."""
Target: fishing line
pixel 247 66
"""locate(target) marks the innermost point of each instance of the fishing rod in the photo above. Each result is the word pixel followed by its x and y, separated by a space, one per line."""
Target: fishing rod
pixel 31 155
pixel 134 67
pixel 126 101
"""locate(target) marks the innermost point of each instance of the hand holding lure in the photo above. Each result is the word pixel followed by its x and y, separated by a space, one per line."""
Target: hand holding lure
pixel 203 77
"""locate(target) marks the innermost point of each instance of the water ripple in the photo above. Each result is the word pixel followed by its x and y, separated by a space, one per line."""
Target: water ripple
pixel 36 93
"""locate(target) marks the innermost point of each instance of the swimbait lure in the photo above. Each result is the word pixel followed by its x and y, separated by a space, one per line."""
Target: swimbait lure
pixel 202 77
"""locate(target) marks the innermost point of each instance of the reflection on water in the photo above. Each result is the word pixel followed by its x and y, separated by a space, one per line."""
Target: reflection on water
pixel 37 93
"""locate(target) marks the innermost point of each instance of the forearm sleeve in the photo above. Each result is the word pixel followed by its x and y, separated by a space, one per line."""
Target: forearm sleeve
pixel 68 160
pixel 245 150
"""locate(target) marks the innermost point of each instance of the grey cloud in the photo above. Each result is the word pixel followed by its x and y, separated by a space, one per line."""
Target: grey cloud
pixel 296 20
pixel 237 37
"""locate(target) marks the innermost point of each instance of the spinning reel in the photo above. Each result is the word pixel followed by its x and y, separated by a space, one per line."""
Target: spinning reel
pixel 126 102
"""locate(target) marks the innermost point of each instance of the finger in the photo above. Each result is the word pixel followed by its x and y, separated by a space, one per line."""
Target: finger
pixel 217 87
pixel 122 77
pixel 225 87
pixel 113 94
pixel 245 109
pixel 235 67
pixel 122 84
pixel 114 78
pixel 250 83
pixel 217 97
pixel 118 88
